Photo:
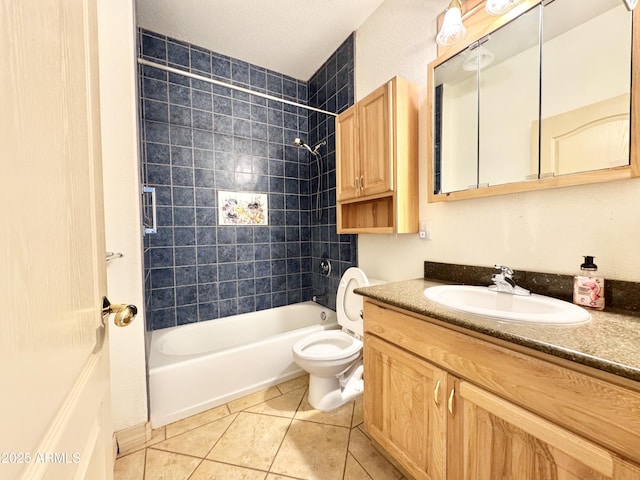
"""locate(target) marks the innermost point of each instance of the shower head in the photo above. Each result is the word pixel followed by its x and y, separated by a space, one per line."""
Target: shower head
pixel 314 151
pixel 299 143
pixel 320 144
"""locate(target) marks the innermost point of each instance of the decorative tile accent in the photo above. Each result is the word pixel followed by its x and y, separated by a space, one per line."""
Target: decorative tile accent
pixel 238 208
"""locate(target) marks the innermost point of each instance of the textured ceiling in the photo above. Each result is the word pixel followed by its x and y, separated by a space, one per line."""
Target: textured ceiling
pixel 293 37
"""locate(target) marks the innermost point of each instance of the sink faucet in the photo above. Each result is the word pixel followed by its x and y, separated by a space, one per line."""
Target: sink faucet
pixel 503 282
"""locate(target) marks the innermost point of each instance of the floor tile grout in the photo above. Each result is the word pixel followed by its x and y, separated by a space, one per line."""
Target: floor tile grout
pixel 288 427
pixel 301 412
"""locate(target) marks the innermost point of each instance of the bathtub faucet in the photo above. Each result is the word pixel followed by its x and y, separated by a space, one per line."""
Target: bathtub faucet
pixel 504 282
pixel 322 296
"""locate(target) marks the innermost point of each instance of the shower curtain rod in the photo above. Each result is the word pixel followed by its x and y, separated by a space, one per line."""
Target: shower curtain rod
pixel 142 61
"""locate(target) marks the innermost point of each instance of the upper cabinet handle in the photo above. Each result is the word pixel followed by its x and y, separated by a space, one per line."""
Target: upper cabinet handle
pixel 436 394
pixel 450 405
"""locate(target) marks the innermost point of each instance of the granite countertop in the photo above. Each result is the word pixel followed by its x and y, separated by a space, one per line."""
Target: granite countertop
pixel 609 342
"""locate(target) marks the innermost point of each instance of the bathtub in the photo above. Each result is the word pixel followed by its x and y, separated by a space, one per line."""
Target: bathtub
pixel 198 366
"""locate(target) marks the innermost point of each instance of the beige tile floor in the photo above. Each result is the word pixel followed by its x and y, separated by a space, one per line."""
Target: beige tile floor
pixel 270 435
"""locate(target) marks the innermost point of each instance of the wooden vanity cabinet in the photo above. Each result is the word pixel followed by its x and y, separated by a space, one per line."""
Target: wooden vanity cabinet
pixel 446 405
pixel 502 440
pixel 377 162
pixel 405 408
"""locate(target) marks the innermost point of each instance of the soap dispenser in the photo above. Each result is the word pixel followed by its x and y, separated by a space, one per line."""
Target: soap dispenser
pixel 588 288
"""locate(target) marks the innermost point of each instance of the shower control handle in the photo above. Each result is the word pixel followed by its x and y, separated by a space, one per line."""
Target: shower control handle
pixel 325 267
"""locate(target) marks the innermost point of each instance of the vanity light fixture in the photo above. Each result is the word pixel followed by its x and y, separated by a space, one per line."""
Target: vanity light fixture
pixel 452 30
pixel 631 4
pixel 498 7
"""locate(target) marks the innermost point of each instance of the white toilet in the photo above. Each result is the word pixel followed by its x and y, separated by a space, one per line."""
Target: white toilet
pixel 333 358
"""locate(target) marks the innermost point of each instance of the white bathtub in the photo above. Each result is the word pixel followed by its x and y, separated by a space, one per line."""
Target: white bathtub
pixel 198 366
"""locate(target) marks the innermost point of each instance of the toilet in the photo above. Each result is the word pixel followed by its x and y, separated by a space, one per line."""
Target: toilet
pixel 333 358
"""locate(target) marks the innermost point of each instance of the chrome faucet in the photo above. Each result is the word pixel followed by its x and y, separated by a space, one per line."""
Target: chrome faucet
pixel 503 282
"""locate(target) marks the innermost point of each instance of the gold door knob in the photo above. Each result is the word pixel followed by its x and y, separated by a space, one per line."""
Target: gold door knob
pixel 124 314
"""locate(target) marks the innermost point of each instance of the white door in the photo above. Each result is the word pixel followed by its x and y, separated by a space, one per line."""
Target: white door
pixel 54 383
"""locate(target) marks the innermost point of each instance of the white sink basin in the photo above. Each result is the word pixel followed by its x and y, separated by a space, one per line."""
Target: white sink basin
pixel 535 309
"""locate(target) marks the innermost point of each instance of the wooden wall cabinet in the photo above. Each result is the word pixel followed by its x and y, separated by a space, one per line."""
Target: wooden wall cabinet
pixel 446 405
pixel 377 162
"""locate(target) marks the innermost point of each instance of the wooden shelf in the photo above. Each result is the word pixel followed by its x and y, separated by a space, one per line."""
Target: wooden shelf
pixel 369 216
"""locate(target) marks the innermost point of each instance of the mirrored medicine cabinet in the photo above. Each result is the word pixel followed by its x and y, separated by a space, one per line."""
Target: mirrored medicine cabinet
pixel 542 97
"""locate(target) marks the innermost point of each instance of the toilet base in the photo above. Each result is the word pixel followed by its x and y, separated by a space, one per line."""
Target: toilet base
pixel 327 394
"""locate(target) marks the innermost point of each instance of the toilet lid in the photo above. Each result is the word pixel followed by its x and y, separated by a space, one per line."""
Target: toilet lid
pixel 349 305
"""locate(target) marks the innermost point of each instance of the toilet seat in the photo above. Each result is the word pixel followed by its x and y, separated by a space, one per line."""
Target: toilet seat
pixel 349 305
pixel 327 345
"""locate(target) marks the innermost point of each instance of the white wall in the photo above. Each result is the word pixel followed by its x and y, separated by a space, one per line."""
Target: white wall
pixel 122 214
pixel 546 231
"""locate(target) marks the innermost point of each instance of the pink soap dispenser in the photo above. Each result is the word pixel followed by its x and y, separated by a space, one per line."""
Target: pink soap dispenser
pixel 588 288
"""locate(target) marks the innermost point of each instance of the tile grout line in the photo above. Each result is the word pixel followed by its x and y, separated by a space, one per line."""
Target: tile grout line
pixel 198 426
pixel 286 431
pixel 144 465
pixel 346 453
pixel 223 433
pixel 245 410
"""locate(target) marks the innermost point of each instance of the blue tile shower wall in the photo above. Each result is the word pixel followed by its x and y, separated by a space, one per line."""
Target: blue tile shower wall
pixel 197 139
pixel 331 88
pixel 200 138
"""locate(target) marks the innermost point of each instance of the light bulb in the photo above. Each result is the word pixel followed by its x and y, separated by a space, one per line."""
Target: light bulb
pixel 452 30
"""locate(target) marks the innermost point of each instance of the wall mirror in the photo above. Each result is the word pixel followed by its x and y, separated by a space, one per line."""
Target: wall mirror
pixel 542 100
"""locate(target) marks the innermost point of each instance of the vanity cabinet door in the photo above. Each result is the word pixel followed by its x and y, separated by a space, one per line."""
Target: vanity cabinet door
pixel 502 440
pixel 405 408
